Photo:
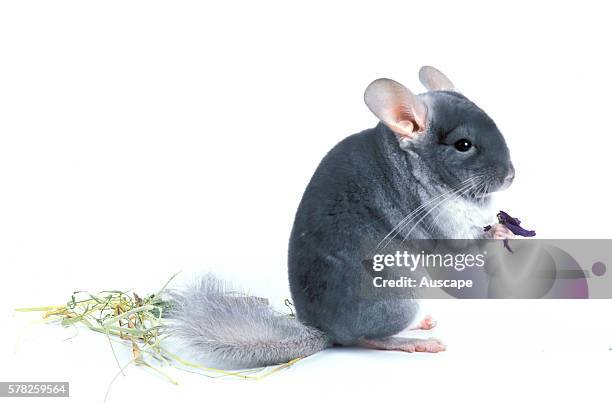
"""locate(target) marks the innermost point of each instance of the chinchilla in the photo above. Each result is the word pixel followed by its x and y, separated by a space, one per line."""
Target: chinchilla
pixel 425 171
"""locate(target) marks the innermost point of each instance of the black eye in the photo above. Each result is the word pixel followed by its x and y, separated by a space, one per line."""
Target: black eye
pixel 463 145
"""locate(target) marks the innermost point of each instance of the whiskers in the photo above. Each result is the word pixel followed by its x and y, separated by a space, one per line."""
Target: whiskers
pixel 483 190
pixel 474 185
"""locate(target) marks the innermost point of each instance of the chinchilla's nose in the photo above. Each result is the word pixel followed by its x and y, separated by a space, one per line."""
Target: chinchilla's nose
pixel 508 178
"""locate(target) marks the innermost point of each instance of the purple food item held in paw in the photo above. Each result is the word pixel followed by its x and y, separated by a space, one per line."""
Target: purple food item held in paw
pixel 513 224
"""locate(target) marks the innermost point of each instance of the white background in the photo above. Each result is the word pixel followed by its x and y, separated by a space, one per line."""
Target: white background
pixel 138 139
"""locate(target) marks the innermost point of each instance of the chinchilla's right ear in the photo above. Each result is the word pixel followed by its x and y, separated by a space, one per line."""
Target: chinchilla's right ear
pixel 434 80
pixel 397 107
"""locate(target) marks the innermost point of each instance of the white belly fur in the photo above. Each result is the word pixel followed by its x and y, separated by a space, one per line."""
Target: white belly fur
pixel 464 219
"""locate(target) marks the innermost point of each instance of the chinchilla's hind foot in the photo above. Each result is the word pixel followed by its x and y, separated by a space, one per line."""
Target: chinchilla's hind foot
pixel 404 344
pixel 427 323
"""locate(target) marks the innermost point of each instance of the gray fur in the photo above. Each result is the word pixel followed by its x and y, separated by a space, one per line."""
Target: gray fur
pixel 231 330
pixel 359 193
pixel 363 188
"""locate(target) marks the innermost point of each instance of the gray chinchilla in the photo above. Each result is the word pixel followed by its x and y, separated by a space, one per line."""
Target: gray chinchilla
pixel 426 171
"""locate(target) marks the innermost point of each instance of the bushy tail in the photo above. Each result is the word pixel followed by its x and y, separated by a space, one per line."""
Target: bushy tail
pixel 232 330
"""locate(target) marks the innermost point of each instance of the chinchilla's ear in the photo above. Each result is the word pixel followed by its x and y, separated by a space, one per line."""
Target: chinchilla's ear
pixel 434 80
pixel 397 107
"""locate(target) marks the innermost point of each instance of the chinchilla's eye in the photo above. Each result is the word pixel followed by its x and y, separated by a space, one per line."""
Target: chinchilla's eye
pixel 463 145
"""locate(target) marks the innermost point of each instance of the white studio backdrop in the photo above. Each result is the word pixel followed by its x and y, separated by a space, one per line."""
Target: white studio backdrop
pixel 138 139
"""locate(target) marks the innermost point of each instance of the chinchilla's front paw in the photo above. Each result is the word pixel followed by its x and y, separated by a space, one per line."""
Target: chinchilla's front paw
pixel 500 231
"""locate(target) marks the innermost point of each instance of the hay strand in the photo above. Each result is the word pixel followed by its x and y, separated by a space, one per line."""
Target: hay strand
pixel 136 323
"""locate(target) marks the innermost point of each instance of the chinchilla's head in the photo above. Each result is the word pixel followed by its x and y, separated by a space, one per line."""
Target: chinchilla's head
pixel 456 140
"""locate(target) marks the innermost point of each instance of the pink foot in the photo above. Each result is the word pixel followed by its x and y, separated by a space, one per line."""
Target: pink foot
pixel 427 323
pixel 405 344
pixel 499 231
